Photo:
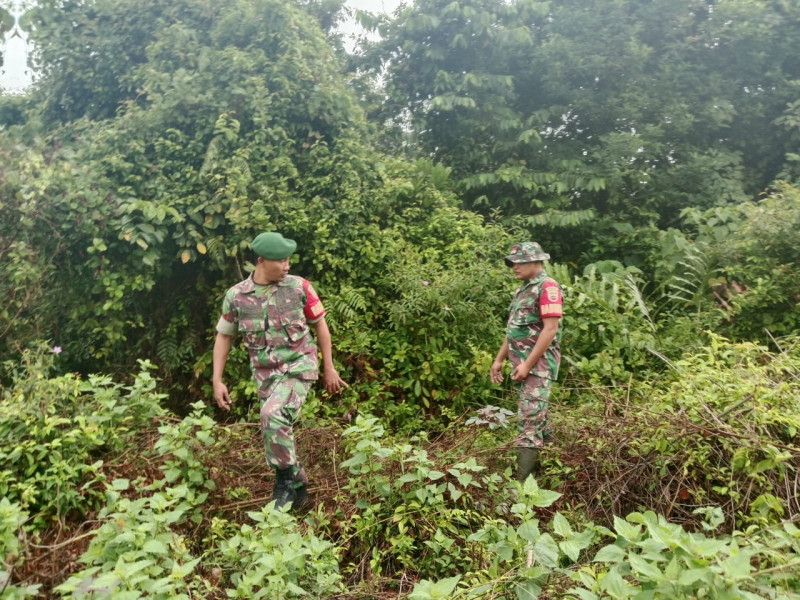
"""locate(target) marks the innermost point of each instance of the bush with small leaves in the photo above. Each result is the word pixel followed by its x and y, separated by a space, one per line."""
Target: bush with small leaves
pixel 54 432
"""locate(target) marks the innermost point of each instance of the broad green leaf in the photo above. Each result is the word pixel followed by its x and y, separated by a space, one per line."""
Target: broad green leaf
pixel 583 594
pixel 573 546
pixel 120 485
pixel 544 498
pixel 155 547
pixel 646 568
pixel 688 577
pixel 628 531
pixel 615 586
pixel 738 567
pixel 546 551
pixel 561 526
pixel 528 590
pixel 429 590
pixel 529 531
pixel 610 553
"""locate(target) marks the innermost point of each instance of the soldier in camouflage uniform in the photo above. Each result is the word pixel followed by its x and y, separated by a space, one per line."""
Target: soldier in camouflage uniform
pixel 274 311
pixel 531 344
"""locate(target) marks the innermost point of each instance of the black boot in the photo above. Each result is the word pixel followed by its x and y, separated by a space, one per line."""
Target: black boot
pixel 527 463
pixel 302 501
pixel 283 493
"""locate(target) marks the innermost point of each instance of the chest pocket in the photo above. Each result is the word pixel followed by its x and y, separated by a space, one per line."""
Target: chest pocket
pixel 525 312
pixel 253 327
pixel 290 301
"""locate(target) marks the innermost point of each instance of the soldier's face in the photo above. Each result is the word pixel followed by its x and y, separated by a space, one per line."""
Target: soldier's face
pixel 527 270
pixel 272 270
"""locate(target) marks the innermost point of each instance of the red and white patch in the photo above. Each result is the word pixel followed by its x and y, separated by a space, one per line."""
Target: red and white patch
pixel 551 302
pixel 316 310
pixel 313 308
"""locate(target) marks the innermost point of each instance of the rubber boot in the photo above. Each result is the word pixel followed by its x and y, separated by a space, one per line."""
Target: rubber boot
pixel 527 462
pixel 283 493
pixel 302 501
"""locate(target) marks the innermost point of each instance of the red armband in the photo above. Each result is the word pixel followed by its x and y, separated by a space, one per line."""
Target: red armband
pixel 313 309
pixel 551 301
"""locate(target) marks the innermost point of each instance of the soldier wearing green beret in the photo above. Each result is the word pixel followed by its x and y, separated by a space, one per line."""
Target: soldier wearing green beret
pixel 531 344
pixel 274 312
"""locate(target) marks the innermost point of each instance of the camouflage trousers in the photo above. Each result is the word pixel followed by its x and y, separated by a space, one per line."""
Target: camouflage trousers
pixel 281 401
pixel 533 401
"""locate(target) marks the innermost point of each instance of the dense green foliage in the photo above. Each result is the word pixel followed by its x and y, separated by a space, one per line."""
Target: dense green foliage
pixel 590 121
pixel 713 434
pixel 652 147
pixel 133 183
pixel 56 430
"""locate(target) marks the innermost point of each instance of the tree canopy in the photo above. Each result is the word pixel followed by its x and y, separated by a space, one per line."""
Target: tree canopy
pixel 627 137
pixel 651 146
pixel 585 120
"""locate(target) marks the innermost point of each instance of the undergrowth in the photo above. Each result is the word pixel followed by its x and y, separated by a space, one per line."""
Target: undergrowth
pixel 676 489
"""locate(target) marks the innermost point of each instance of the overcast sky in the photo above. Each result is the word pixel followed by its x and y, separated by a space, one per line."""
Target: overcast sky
pixel 375 5
pixel 13 45
pixel 350 28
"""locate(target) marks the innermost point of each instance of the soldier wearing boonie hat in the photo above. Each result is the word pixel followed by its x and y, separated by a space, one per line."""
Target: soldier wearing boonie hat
pixel 531 343
pixel 275 311
pixel 526 252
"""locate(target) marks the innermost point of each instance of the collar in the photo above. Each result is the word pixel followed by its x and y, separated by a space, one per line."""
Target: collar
pixel 538 279
pixel 248 286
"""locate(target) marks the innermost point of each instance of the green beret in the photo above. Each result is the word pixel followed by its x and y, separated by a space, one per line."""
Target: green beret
pixel 273 246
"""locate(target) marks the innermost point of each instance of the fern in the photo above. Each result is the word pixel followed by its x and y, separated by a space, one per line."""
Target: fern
pixel 240 165
pixel 632 283
pixel 212 153
pixel 348 304
pixel 690 277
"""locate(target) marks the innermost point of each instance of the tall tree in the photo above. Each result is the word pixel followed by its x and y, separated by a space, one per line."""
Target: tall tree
pixel 124 225
pixel 594 119
pixel 184 128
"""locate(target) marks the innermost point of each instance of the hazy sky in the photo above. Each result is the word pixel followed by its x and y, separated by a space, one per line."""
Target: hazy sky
pixel 374 5
pixel 350 27
pixel 13 44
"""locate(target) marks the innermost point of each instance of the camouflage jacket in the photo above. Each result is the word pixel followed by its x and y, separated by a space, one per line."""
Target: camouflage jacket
pixel 534 300
pixel 274 320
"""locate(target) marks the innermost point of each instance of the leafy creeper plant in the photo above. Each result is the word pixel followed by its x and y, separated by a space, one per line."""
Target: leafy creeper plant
pixel 52 429
pixel 274 559
pixel 136 551
pixel 653 559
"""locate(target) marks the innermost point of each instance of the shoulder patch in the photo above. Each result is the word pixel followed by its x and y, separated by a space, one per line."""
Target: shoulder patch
pixel 552 293
pixel 316 310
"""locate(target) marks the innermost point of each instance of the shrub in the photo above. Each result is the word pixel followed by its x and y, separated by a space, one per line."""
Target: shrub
pixel 719 428
pixel 55 431
pixel 12 518
pixel 274 559
pixel 136 551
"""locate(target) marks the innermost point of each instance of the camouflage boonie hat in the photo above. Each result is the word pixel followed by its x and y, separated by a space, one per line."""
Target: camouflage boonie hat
pixel 273 246
pixel 526 252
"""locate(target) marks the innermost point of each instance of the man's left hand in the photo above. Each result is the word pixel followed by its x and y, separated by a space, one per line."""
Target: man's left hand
pixel 332 382
pixel 520 372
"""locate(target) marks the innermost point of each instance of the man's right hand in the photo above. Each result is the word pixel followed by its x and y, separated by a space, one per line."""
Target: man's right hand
pixel 496 372
pixel 222 396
